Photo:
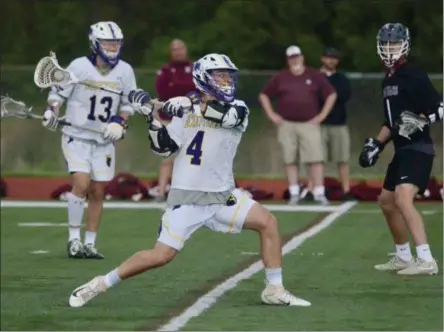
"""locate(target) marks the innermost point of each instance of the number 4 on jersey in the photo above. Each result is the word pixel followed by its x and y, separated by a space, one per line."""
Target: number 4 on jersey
pixel 195 148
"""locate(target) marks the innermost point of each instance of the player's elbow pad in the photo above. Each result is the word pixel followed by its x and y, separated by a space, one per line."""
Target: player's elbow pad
pixel 162 144
pixel 228 116
pixel 437 115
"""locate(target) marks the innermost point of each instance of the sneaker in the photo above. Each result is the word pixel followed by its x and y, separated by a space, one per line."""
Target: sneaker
pixel 85 293
pixel 160 199
pixel 307 198
pixel 294 200
pixel 322 200
pixel 75 249
pixel 91 252
pixel 277 295
pixel 348 196
pixel 420 266
pixel 394 264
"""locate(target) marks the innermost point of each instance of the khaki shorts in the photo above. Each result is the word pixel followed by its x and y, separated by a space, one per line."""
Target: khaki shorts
pixel 300 142
pixel 336 140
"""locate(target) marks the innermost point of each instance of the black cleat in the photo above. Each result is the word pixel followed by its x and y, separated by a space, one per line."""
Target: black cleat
pixel 75 249
pixel 91 252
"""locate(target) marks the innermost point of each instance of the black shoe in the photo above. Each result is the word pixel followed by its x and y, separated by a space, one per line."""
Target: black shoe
pixel 308 198
pixel 92 253
pixel 348 196
pixel 75 249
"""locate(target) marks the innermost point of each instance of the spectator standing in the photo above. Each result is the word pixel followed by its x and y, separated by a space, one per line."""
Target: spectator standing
pixel 173 79
pixel 335 133
pixel 298 90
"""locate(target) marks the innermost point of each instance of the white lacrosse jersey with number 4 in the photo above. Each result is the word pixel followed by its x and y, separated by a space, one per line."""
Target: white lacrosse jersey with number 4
pixel 91 107
pixel 205 160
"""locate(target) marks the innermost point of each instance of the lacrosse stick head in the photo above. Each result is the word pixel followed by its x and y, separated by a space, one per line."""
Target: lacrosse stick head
pixel 14 108
pixel 48 73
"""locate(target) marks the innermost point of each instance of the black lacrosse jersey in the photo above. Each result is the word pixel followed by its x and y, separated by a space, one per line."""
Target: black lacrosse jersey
pixel 409 89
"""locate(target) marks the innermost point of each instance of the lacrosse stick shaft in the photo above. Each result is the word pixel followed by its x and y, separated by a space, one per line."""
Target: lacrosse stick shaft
pixel 67 123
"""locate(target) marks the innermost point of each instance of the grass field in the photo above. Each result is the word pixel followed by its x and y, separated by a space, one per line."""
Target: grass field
pixel 333 270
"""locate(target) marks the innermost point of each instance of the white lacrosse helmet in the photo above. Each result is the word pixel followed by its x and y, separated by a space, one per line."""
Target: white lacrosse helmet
pixel 106 41
pixel 203 76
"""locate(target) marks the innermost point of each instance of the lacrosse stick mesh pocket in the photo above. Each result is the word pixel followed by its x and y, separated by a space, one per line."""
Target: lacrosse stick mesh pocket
pixel 49 73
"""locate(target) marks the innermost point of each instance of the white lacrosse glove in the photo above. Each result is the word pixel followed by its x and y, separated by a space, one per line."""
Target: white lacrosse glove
pixel 116 128
pixel 177 106
pixel 50 119
pixel 409 123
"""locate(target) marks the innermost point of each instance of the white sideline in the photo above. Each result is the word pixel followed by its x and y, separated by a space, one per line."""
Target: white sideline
pixel 209 299
pixel 152 205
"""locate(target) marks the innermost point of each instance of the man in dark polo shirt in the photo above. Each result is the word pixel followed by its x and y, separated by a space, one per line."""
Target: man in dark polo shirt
pixel 173 79
pixel 335 134
pixel 298 90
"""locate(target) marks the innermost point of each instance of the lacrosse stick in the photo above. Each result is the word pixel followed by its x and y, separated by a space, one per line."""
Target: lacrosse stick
pixel 410 123
pixel 48 73
pixel 18 109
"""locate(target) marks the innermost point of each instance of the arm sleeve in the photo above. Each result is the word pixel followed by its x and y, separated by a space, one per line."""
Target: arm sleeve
pixel 163 87
pixel 129 83
pixel 60 95
pixel 344 89
pixel 431 101
pixel 326 89
pixel 271 89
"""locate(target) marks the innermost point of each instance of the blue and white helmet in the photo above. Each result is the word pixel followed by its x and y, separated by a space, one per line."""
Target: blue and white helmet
pixel 101 33
pixel 204 80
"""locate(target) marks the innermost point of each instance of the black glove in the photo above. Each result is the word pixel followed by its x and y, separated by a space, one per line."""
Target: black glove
pixel 138 97
pixel 370 152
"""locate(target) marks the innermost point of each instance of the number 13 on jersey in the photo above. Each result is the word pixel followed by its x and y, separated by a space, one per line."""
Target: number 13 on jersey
pixel 194 149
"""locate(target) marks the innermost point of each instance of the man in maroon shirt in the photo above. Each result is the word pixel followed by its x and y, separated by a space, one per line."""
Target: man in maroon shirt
pixel 298 90
pixel 173 79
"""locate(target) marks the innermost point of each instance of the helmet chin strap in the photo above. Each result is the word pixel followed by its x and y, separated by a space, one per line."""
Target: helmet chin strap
pixel 397 64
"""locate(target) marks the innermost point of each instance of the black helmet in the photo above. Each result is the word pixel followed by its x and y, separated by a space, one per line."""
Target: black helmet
pixel 393 43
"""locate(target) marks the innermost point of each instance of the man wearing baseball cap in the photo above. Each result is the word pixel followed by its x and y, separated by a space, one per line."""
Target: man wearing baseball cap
pixel 298 117
pixel 335 134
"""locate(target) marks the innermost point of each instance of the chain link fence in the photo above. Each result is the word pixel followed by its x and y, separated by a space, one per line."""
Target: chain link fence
pixel 26 147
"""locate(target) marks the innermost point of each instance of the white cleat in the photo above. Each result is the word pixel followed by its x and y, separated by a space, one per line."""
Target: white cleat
pixel 83 294
pixel 395 264
pixel 420 267
pixel 278 295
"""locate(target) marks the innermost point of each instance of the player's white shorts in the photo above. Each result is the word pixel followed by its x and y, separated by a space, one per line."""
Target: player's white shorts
pixel 98 160
pixel 178 223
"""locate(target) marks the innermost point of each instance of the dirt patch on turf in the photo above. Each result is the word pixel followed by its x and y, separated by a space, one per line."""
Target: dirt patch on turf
pixel 208 285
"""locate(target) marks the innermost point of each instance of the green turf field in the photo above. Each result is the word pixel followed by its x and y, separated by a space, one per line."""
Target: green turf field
pixel 333 270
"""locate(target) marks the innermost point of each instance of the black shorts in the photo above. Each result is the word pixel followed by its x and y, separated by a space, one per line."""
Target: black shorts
pixel 409 166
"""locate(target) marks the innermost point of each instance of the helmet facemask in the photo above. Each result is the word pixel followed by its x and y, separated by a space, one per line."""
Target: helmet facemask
pixel 109 50
pixel 221 84
pixel 391 52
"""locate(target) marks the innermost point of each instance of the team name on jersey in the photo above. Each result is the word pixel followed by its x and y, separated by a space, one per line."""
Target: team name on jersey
pixel 108 84
pixel 194 121
pixel 391 90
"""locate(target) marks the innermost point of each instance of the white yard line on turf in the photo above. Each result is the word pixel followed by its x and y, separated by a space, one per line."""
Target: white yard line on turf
pixel 206 301
pixel 151 205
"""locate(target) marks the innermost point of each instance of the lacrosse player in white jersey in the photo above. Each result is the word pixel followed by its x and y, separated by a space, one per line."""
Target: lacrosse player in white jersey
pixel 202 191
pixel 90 156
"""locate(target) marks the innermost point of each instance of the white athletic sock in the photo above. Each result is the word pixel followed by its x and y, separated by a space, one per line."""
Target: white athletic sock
pixel 90 238
pixel 112 278
pixel 75 215
pixel 294 190
pixel 403 251
pixel 423 252
pixel 274 276
pixel 319 191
